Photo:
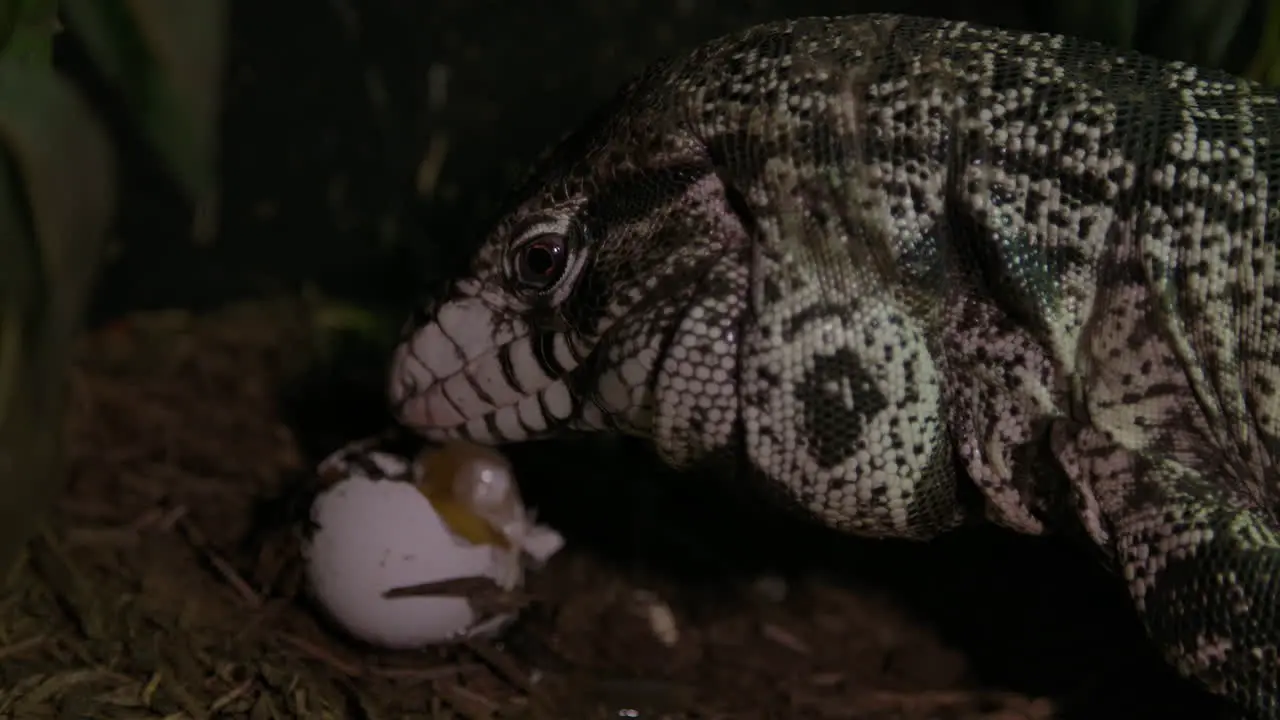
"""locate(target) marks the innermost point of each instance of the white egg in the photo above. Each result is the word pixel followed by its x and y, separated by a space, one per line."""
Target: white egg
pixel 374 531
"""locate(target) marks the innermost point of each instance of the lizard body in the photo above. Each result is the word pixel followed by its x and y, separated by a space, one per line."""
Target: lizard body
pixel 881 261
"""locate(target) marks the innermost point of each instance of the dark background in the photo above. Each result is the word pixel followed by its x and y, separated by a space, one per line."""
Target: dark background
pixel 326 119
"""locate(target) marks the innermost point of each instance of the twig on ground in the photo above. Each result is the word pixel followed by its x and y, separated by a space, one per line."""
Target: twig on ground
pixel 228 573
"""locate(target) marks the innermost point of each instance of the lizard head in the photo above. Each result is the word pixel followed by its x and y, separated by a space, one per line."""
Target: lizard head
pixel 561 319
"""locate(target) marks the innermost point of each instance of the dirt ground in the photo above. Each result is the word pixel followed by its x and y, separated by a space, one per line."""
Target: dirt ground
pixel 167 588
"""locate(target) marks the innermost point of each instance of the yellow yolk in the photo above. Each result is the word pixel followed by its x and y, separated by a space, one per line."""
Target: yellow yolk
pixel 439 466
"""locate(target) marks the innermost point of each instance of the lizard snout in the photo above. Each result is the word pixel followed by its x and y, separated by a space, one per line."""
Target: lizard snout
pixel 468 373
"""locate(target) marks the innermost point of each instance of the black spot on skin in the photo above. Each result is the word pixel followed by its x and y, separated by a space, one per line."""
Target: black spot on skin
pixel 830 425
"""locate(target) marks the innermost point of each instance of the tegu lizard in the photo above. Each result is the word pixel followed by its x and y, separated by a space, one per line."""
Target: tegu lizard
pixel 884 262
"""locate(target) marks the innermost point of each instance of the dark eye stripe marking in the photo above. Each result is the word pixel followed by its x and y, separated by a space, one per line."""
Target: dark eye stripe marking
pixel 544 353
pixel 509 370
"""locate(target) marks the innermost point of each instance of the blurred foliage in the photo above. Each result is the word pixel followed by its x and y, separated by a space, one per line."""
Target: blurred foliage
pixel 1265 65
pixel 1240 36
pixel 57 197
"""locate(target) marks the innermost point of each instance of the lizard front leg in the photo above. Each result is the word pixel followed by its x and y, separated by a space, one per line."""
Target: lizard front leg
pixel 1199 557
pixel 1202 566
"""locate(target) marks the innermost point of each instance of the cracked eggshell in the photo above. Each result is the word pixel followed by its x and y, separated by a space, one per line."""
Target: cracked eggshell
pixel 374 531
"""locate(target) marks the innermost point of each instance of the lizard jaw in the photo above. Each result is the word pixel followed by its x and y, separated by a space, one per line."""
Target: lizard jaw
pixel 478 374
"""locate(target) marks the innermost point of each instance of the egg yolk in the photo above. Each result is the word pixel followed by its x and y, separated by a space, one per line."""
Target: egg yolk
pixel 438 468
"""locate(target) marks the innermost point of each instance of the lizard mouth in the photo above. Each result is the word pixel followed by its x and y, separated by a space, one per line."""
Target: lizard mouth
pixel 474 374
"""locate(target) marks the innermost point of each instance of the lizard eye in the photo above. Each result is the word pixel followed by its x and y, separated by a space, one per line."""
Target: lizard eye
pixel 540 262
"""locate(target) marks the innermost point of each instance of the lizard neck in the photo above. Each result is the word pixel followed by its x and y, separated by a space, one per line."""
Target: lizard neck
pixel 669 372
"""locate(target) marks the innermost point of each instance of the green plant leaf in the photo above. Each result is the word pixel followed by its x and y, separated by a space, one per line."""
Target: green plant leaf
pixel 27 28
pixel 1265 65
pixel 65 162
pixel 165 56
pixel 1197 31
pixel 21 282
pixel 56 202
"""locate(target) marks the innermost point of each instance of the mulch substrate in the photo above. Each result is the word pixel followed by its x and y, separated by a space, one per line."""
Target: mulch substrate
pixel 166 587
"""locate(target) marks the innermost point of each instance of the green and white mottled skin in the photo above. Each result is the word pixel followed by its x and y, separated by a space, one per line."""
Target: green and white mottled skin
pixel 880 261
